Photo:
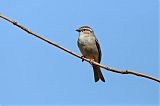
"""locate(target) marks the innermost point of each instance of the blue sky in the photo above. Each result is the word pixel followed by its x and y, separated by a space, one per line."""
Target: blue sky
pixel 32 72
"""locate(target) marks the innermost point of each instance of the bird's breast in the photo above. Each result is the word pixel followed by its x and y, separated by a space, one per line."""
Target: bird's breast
pixel 86 40
pixel 87 46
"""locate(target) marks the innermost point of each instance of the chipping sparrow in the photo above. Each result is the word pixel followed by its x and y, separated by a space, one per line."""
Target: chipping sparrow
pixel 90 48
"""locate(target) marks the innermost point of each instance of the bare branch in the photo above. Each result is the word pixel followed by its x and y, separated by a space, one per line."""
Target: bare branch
pixel 88 60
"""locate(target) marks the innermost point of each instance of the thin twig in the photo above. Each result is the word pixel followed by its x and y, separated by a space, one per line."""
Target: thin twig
pixel 88 60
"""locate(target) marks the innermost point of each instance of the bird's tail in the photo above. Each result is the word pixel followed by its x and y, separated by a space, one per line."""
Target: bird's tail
pixel 97 73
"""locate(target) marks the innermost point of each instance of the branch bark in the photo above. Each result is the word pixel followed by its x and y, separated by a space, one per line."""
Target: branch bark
pixel 79 56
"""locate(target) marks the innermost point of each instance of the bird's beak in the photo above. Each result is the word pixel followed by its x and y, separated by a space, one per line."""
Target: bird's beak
pixel 78 30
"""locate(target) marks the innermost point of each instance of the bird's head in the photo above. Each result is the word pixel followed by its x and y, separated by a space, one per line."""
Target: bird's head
pixel 85 30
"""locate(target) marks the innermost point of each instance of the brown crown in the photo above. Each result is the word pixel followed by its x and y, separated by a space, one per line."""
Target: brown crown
pixel 85 27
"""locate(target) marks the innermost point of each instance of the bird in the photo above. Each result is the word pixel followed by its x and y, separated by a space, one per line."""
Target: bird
pixel 90 49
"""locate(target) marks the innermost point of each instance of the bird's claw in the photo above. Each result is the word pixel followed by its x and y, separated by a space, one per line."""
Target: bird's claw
pixel 91 61
pixel 82 57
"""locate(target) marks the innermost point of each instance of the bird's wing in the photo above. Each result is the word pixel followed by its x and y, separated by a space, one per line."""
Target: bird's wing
pixel 99 51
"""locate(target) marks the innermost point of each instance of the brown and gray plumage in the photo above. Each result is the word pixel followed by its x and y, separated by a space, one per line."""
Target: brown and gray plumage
pixel 90 48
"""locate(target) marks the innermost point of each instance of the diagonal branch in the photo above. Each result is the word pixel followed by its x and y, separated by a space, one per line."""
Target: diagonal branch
pixel 88 60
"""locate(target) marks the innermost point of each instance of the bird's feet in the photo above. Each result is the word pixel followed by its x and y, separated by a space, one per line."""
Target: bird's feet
pixel 91 61
pixel 82 57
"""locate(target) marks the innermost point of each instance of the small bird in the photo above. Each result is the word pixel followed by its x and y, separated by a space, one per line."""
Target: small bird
pixel 90 48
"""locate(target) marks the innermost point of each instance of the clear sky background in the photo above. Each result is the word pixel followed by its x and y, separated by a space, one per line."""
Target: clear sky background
pixel 32 72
